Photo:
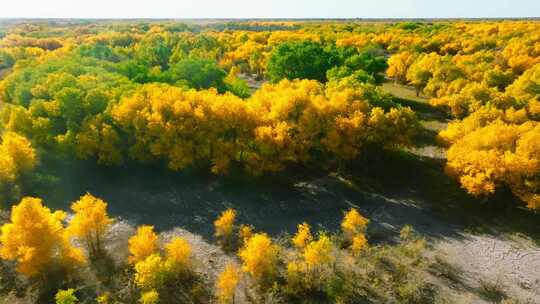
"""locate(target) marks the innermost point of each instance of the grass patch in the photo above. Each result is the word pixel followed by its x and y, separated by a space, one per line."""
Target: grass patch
pixel 492 291
pixel 443 269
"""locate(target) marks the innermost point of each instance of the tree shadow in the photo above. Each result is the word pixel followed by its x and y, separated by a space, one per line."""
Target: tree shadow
pixel 405 177
pixel 424 110
pixel 391 188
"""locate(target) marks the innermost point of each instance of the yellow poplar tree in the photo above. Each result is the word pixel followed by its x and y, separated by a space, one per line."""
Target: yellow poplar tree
pixel 20 150
pixel 398 65
pixel 319 253
pixel 224 226
pixel 143 244
pixel 245 232
pixel 36 239
pixel 178 253
pixel 90 222
pixel 260 257
pixel 303 236
pixel 353 223
pixel 16 157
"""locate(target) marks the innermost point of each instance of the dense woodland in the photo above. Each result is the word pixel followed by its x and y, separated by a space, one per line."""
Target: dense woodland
pixel 180 96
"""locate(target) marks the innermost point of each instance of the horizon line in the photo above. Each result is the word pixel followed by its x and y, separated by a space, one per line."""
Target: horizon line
pixel 272 18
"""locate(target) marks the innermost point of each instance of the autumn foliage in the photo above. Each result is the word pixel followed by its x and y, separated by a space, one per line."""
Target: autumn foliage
pixel 36 239
pixel 303 236
pixel 158 276
pixel 90 222
pixel 143 244
pixel 224 227
pixel 17 159
pixel 163 272
pixel 493 147
pixel 250 99
pixel 487 76
pixel 160 96
pixel 259 257
pixel 227 283
pixel 281 124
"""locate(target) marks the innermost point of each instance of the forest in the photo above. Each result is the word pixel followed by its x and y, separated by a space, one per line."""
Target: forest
pixel 372 147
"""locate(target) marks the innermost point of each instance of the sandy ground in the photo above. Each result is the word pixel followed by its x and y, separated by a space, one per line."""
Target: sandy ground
pixel 511 262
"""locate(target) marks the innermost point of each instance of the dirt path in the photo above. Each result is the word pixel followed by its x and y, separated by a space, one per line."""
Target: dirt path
pixel 253 83
pixel 432 120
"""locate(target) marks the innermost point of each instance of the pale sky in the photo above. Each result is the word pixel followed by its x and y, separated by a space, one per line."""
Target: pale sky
pixel 268 8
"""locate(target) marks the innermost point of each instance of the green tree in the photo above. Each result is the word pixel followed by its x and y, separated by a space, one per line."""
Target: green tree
pixel 372 65
pixel 155 51
pixel 302 60
pixel 197 73
pixel 6 60
pixel 136 70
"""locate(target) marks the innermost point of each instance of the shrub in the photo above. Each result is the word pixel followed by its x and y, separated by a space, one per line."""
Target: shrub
pixel 260 258
pixel 66 297
pixel 149 297
pixel 311 268
pixel 103 298
pixel 492 291
pixel 226 284
pixel 303 236
pixel 150 272
pixel 178 253
pixel 245 233
pixel 171 277
pixel 224 227
pixel 359 244
pixel 319 253
pixel 353 224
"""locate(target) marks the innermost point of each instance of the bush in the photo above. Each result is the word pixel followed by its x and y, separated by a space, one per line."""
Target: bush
pixel 169 278
pixel 260 260
pixel 226 284
pixel 224 227
pixel 66 297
